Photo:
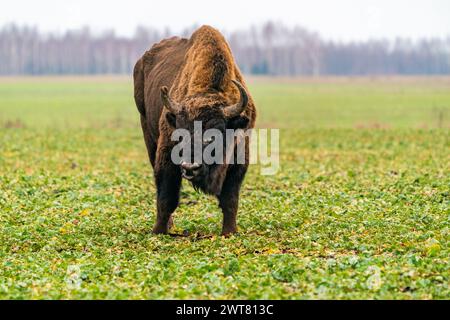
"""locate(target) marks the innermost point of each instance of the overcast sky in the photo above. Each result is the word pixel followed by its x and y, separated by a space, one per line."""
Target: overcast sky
pixel 335 19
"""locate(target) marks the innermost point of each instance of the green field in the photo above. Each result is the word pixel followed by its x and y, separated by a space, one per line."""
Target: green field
pixel 359 209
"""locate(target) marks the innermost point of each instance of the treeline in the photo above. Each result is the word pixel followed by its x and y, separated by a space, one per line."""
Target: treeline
pixel 269 49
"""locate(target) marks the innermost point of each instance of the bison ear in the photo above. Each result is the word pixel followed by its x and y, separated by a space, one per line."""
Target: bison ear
pixel 239 122
pixel 171 119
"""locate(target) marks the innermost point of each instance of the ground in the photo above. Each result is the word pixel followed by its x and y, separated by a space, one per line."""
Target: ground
pixel 359 209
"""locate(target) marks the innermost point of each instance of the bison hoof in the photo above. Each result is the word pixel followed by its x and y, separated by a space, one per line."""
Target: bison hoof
pixel 163 228
pixel 160 229
pixel 157 231
pixel 228 233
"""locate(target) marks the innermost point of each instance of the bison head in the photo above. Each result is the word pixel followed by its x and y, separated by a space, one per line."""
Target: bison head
pixel 213 113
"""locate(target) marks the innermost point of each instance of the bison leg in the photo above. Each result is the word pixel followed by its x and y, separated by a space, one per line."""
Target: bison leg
pixel 168 183
pixel 229 197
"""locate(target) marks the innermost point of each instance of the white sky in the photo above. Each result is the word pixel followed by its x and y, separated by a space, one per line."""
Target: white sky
pixel 336 19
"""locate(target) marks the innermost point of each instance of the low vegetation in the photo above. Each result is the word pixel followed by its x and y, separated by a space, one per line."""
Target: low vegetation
pixel 359 209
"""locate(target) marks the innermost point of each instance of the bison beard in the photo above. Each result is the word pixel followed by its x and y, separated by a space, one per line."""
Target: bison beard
pixel 205 85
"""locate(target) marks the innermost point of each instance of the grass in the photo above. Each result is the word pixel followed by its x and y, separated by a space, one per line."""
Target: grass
pixel 359 209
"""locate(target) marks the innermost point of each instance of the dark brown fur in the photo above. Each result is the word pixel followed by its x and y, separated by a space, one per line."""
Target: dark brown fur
pixel 198 72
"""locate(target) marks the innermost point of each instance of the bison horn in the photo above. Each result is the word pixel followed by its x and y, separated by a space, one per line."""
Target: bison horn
pixel 236 109
pixel 167 102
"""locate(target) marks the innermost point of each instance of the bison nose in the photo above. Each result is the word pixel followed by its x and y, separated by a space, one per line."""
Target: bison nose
pixel 190 166
pixel 190 170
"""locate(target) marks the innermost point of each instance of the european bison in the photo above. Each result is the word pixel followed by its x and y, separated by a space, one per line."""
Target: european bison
pixel 179 81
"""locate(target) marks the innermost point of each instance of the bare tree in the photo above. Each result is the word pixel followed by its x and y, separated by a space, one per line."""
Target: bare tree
pixel 270 48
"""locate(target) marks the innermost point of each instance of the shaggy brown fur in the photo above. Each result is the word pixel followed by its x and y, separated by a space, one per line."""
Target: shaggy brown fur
pixel 198 72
